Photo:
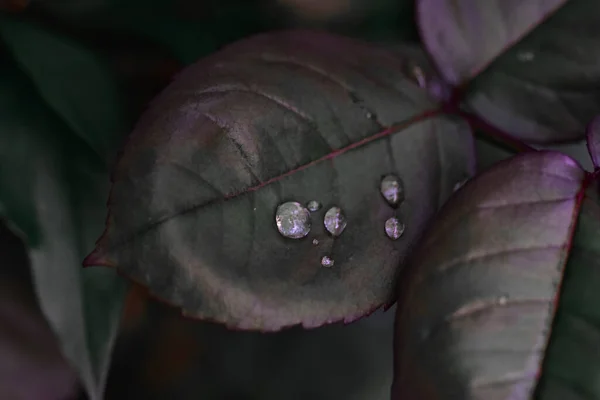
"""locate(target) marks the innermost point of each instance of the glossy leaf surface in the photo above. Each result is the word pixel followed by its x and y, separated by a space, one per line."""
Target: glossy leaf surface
pixel 294 116
pixel 529 67
pixel 478 300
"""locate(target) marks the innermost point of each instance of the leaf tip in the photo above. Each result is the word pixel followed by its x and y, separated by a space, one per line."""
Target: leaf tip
pixel 97 258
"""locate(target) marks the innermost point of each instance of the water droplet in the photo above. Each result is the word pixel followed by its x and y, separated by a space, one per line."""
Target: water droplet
pixel 371 115
pixel 459 184
pixel 392 190
pixel 315 241
pixel 394 228
pixel 525 56
pixel 327 262
pixel 416 74
pixel 335 221
pixel 293 220
pixel 313 206
pixel 503 300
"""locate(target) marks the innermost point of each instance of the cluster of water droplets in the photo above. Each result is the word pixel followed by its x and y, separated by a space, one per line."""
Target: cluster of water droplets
pixel 293 220
pixel 392 190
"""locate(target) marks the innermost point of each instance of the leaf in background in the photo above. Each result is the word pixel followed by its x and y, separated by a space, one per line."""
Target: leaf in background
pixel 529 67
pixel 474 319
pixel 293 116
pixel 52 190
pixel 72 80
pixel 29 351
pixel 593 141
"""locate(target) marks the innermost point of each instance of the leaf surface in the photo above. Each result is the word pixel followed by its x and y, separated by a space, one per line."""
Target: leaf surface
pixel 571 369
pixel 478 299
pixel 294 116
pixel 529 67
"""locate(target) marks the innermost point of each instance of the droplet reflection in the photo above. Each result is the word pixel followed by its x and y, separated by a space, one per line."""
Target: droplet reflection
pixel 392 190
pixel 293 220
pixel 335 221
pixel 394 228
pixel 327 262
pixel 313 206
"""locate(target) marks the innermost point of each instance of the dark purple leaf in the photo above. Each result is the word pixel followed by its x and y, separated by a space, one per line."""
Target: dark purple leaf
pixel 572 360
pixel 294 116
pixel 479 296
pixel 529 67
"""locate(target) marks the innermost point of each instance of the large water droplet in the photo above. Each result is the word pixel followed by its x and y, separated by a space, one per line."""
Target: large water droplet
pixel 392 190
pixel 335 221
pixel 394 228
pixel 313 206
pixel 327 262
pixel 293 220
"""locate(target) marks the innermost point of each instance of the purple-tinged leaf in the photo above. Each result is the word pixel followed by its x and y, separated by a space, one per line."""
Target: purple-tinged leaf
pixel 465 36
pixel 478 299
pixel 593 140
pixel 293 116
pixel 571 368
pixel 529 67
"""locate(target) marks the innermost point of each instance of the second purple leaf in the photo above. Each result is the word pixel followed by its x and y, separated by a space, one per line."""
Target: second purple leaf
pixel 529 67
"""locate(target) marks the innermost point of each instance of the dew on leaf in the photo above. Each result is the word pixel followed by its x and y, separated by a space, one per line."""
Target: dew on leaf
pixel 335 221
pixel 313 206
pixel 315 241
pixel 394 228
pixel 416 74
pixel 293 220
pixel 503 300
pixel 392 189
pixel 460 184
pixel 327 262
pixel 525 56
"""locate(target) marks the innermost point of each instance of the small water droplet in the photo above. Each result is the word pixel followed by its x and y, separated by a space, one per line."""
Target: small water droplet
pixel 327 262
pixel 313 206
pixel 315 241
pixel 416 74
pixel 525 56
pixel 392 190
pixel 394 228
pixel 335 221
pixel 293 220
pixel 370 115
pixel 459 184
pixel 503 300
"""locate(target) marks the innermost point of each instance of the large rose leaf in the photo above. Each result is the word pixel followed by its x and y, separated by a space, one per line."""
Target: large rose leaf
pixel 294 116
pixel 529 67
pixel 52 193
pixel 475 318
